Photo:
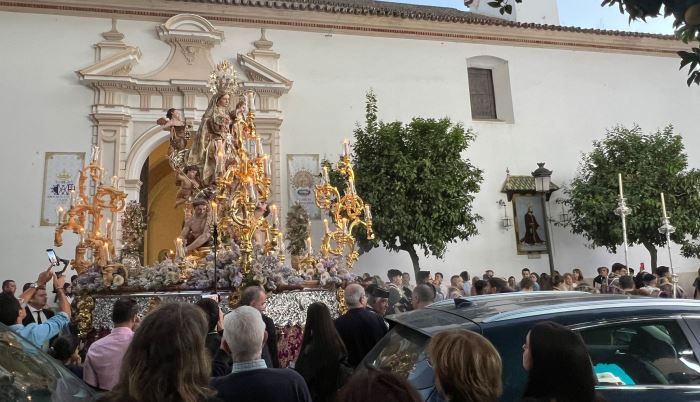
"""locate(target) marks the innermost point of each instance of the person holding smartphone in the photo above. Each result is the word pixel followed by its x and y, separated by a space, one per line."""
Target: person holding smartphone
pixel 12 311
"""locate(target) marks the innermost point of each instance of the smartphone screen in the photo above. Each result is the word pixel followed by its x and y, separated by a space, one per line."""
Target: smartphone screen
pixel 52 256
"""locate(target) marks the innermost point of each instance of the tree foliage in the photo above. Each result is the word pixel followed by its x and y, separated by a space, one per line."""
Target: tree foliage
pixel 650 164
pixel 686 14
pixel 420 187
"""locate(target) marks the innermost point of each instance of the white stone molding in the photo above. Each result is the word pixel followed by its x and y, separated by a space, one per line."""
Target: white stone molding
pixel 127 105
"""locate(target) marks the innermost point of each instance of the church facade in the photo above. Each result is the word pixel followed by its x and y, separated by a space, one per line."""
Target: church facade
pixel 83 72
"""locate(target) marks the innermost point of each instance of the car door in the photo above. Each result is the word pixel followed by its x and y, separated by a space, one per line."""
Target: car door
pixel 650 359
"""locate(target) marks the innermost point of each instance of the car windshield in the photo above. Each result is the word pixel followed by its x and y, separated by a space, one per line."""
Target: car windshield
pixel 28 374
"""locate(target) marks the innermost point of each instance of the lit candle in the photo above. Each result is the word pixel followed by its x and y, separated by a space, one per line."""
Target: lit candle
pixel 97 234
pixel 214 210
pixel 663 205
pixel 309 250
pixel 82 235
pixel 346 148
pixel 325 175
pixel 325 224
pixel 368 212
pixel 109 228
pixel 72 198
pixel 251 190
pixel 273 209
pixel 179 248
pixel 108 256
pixel 619 181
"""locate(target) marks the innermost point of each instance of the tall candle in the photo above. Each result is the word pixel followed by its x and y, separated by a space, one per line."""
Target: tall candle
pixel 115 181
pixel 273 209
pixel 351 186
pixel 266 164
pixel 346 148
pixel 95 154
pixel 60 213
pixel 325 224
pixel 251 190
pixel 109 228
pixel 82 235
pixel 309 250
pixel 663 205
pixel 619 181
pixel 259 147
pixel 325 175
pixel 368 212
pixel 214 210
pixel 345 225
pixel 72 198
pixel 251 101
pixel 283 248
pixel 179 248
pixel 108 256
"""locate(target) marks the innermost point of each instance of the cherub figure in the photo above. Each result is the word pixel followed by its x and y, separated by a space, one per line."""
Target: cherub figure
pixel 177 127
pixel 189 183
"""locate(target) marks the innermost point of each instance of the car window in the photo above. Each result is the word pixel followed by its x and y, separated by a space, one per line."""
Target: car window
pixel 641 353
pixel 28 374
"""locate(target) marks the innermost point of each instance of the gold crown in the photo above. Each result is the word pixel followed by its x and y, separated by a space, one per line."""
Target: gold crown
pixel 222 80
pixel 63 176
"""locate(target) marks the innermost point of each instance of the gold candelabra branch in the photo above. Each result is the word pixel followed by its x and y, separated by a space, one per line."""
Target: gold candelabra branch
pixel 85 209
pixel 347 212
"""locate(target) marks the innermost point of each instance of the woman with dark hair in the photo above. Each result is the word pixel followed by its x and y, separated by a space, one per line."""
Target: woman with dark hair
pixel 322 358
pixel 558 365
pixel 375 385
pixel 478 287
pixel 578 276
pixel 166 360
pixel 65 349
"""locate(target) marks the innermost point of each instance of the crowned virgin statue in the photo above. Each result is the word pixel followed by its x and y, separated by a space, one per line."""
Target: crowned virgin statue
pixel 209 151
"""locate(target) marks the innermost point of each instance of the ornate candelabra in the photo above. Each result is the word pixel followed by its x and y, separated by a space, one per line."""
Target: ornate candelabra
pixel 345 211
pixel 622 211
pixel 243 186
pixel 87 210
pixel 666 229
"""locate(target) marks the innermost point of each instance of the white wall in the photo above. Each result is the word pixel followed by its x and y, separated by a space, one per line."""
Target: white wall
pixel 561 101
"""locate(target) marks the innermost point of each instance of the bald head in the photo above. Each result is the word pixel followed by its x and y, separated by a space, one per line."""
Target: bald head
pixel 355 296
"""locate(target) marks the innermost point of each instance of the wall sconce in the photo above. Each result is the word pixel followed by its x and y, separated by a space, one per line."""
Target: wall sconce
pixel 506 221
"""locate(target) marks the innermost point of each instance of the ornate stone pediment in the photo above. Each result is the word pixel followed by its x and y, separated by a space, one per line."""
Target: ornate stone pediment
pixel 259 73
pixel 118 64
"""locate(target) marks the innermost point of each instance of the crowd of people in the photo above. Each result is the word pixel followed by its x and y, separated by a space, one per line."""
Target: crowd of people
pixel 193 352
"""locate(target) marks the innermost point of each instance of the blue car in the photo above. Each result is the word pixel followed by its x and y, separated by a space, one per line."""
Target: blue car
pixel 642 349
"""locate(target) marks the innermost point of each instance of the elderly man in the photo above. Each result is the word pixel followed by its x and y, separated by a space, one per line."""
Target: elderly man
pixel 12 313
pixel 359 328
pixel 255 296
pixel 250 380
pixel 423 295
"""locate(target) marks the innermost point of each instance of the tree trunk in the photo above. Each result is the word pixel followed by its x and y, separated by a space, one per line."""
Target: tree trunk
pixel 652 253
pixel 411 250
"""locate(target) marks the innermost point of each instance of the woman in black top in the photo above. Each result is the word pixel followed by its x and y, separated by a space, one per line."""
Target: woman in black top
pixel 558 365
pixel 323 357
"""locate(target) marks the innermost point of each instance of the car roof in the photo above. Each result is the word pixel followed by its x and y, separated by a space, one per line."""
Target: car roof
pixel 503 307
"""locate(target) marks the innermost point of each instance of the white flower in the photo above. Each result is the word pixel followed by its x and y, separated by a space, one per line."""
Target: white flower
pixel 117 280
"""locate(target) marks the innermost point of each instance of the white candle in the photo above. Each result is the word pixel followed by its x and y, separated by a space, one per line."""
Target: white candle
pixel 60 213
pixel 268 168
pixel 115 181
pixel 619 181
pixel 108 256
pixel 663 205
pixel 82 235
pixel 259 147
pixel 179 248
pixel 251 190
pixel 251 101
pixel 346 148
pixel 345 225
pixel 309 250
pixel 325 175
pixel 351 186
pixel 109 228
pixel 283 248
pixel 368 212
pixel 273 209
pixel 215 210
pixel 325 224
pixel 72 198
pixel 95 154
